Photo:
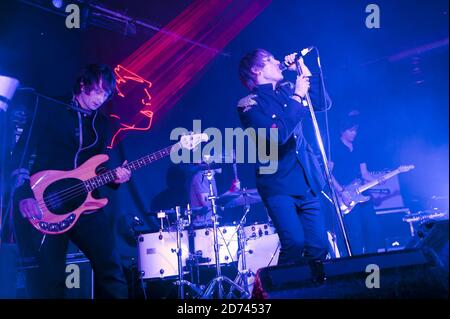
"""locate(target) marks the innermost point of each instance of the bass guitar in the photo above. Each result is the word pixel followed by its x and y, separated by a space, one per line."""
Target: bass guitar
pixel 63 196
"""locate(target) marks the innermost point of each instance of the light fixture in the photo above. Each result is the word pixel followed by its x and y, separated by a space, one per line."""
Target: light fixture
pixel 7 88
pixel 57 3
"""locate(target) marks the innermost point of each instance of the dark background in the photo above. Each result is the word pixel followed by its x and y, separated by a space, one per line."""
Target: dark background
pixel 404 104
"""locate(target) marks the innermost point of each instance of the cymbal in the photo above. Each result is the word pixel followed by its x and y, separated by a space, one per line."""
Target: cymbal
pixel 240 198
pixel 195 210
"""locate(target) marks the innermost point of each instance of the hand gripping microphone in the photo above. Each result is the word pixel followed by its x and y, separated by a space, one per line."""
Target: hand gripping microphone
pixel 284 66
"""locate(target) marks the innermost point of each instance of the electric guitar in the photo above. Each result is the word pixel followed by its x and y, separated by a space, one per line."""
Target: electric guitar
pixel 63 196
pixel 353 191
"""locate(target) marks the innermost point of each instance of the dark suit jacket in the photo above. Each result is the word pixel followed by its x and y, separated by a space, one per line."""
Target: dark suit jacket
pixel 298 167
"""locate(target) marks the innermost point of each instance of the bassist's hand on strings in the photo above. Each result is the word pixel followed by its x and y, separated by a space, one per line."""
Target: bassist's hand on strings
pixel 123 174
pixel 29 208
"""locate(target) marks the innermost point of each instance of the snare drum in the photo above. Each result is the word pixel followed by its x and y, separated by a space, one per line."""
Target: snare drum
pixel 158 255
pixel 228 244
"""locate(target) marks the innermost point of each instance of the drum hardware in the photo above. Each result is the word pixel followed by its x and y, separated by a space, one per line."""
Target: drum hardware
pixel 203 245
pixel 135 263
pixel 261 252
pixel 246 234
pixel 426 215
pixel 180 224
pixel 242 276
pixel 161 253
pixel 217 282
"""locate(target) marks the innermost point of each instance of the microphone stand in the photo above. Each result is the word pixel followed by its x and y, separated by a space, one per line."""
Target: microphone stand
pixel 325 162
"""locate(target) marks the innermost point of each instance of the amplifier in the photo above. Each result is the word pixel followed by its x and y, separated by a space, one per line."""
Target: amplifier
pixel 387 194
pixel 79 277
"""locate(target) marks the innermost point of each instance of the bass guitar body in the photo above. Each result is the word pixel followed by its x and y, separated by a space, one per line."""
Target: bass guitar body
pixel 63 196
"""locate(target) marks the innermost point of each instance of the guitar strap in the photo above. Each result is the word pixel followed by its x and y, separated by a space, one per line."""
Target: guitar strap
pixel 80 144
pixel 80 130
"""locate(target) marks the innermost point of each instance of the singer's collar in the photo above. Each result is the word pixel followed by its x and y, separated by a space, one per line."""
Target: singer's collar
pixel 268 87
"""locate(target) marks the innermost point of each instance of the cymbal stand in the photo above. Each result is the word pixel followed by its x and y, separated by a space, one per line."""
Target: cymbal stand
pixel 181 282
pixel 242 276
pixel 217 282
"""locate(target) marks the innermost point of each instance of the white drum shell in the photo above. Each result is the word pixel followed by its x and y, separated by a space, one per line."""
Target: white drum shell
pixel 228 244
pixel 157 254
pixel 261 251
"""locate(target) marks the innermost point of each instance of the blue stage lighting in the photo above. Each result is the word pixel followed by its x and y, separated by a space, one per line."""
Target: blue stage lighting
pixel 57 3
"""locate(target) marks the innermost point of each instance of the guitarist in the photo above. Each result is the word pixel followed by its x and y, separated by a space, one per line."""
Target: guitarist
pixel 347 165
pixel 63 138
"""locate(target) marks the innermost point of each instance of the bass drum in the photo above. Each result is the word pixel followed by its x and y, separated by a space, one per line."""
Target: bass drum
pixel 263 249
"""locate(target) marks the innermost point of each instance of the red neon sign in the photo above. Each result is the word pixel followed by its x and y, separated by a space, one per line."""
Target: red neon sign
pixel 124 76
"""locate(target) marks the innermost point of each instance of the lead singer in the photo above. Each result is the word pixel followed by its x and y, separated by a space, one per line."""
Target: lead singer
pixel 291 193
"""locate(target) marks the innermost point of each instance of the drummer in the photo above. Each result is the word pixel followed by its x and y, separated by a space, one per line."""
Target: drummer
pixel 199 192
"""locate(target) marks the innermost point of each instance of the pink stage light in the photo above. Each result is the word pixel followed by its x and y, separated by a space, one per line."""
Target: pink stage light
pixel 168 64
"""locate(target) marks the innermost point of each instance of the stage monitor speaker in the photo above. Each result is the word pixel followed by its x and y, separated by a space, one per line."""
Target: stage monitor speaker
pixel 394 233
pixel 392 275
pixel 433 235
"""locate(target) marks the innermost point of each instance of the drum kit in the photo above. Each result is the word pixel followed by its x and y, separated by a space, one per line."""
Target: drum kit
pixel 181 249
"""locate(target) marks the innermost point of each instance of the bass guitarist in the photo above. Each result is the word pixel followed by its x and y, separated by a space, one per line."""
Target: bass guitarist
pixel 63 138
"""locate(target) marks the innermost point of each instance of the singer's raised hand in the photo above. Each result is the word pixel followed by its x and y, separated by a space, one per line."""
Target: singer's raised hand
pixel 304 68
pixel 302 85
pixel 289 61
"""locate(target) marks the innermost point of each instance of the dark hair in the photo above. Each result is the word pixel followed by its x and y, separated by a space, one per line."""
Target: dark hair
pixel 249 61
pixel 349 121
pixel 91 74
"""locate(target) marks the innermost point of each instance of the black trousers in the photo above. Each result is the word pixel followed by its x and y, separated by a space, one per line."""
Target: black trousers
pixel 300 226
pixel 93 235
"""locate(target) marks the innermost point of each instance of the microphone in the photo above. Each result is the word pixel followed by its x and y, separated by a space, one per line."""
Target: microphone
pixel 284 66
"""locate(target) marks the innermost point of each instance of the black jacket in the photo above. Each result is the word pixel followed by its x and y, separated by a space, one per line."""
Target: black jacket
pixel 54 141
pixel 298 168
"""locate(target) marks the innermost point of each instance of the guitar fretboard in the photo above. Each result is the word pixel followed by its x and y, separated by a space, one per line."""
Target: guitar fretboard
pixel 378 181
pixel 109 176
